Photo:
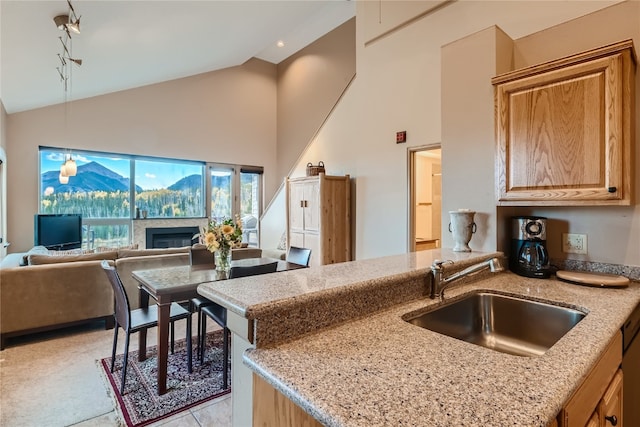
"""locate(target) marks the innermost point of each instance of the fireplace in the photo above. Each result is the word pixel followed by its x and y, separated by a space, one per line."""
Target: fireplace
pixel 170 237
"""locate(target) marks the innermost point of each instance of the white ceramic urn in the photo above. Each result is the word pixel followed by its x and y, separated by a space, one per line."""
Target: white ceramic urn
pixel 462 227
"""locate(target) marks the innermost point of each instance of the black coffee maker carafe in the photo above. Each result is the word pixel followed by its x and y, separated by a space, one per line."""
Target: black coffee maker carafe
pixel 529 256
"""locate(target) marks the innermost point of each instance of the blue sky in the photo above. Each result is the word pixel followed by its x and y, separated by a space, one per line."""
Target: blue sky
pixel 149 174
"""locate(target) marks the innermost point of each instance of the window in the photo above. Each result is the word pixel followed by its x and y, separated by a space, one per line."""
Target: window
pixel 111 189
pixel 106 196
pixel 169 188
pixel 221 192
pixel 237 190
pixel 250 203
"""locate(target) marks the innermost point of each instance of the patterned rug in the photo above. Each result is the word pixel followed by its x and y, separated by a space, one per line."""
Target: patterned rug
pixel 140 405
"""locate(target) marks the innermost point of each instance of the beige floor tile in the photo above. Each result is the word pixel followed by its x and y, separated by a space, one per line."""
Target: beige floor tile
pixel 52 379
pixel 178 420
pixel 216 414
pixel 107 420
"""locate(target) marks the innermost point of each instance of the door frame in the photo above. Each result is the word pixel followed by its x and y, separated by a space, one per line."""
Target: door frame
pixel 411 197
pixel 3 204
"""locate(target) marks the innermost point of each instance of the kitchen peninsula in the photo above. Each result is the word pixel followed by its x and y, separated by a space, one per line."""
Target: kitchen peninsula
pixel 332 339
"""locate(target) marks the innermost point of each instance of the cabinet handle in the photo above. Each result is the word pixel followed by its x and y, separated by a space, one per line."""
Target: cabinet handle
pixel 302 203
pixel 612 419
pixel 612 190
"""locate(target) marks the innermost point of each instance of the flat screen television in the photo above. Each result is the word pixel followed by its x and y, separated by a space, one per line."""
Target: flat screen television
pixel 58 231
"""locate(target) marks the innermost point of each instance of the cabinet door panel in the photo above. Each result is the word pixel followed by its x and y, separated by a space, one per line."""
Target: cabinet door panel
pixel 557 131
pixel 564 130
pixel 312 206
pixel 297 239
pixel 296 203
pixel 611 404
pixel 312 241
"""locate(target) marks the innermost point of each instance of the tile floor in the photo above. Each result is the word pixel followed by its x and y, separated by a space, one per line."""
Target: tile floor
pixel 52 379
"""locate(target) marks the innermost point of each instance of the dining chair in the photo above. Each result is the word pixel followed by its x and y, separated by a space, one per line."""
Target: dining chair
pixel 253 270
pixel 219 315
pixel 299 256
pixel 199 255
pixel 132 321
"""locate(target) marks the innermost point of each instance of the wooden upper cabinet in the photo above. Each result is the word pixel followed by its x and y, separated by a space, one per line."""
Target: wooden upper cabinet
pixel 565 130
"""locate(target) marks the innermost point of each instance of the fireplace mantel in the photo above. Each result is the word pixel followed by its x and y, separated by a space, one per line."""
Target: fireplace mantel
pixel 140 226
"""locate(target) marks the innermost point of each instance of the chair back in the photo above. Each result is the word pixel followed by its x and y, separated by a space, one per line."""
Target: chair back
pixel 201 256
pixel 254 270
pixel 299 256
pixel 122 309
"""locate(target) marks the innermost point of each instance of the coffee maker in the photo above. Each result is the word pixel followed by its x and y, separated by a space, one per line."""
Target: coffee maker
pixel 529 256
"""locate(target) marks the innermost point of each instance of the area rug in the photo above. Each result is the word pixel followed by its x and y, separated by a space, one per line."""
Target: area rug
pixel 140 405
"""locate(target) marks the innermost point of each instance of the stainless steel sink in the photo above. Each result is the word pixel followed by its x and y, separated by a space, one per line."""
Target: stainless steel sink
pixel 502 323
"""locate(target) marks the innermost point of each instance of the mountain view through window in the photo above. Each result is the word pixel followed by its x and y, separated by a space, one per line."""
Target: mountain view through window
pixel 109 190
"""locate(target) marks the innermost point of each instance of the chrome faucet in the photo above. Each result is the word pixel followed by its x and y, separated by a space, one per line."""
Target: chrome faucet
pixel 439 282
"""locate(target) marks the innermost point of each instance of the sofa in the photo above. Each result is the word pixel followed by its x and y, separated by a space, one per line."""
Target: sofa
pixel 40 290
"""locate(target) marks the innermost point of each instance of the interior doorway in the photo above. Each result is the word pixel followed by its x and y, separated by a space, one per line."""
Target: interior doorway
pixel 425 197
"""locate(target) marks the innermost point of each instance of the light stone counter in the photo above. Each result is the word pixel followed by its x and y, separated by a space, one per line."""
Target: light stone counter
pixel 378 370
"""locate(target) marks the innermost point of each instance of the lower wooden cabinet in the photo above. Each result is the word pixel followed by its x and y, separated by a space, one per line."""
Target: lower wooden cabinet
pixel 610 408
pixel 273 409
pixel 598 400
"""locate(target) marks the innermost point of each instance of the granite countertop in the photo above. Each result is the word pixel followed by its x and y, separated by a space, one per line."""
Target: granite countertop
pixel 375 369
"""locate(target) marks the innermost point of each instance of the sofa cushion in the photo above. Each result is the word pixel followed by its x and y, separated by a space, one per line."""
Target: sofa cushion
pixel 126 253
pixel 244 253
pixel 36 250
pixel 119 248
pixel 71 252
pixel 48 259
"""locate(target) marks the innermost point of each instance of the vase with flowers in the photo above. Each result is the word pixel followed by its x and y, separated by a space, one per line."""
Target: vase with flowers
pixel 220 237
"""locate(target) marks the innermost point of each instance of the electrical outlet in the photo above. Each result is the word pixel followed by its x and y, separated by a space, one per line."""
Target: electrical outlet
pixel 574 243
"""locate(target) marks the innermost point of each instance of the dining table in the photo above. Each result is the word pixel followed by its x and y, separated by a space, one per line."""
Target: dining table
pixel 172 284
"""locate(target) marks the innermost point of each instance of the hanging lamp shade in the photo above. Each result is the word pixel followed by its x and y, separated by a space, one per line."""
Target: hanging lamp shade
pixel 70 167
pixel 63 170
pixel 63 179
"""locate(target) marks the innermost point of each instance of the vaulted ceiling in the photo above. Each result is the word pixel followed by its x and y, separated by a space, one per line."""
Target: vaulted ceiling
pixel 127 44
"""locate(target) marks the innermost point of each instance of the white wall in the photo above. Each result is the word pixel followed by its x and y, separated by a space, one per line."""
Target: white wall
pixel 398 87
pixel 227 116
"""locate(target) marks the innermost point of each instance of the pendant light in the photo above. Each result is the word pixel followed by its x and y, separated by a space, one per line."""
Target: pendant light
pixel 69 23
pixel 70 166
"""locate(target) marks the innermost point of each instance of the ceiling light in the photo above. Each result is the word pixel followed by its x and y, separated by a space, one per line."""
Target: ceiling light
pixel 63 179
pixel 280 43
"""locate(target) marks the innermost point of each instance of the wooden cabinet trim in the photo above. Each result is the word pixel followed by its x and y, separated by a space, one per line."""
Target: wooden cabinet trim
pixel 566 61
pixel 584 400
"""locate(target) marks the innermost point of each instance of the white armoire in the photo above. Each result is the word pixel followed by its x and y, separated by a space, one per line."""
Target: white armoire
pixel 318 217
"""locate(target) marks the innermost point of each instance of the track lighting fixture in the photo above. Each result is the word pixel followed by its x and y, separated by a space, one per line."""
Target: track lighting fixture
pixel 69 23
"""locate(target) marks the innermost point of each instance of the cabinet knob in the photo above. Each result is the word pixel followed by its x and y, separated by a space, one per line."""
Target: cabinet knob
pixel 612 419
pixel 612 190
